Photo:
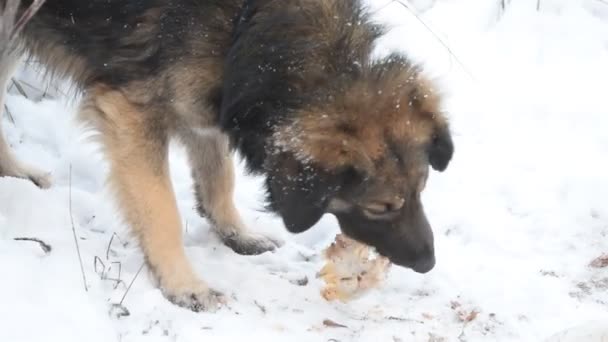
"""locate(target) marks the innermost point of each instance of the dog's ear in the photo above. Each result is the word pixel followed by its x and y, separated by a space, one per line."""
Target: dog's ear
pixel 425 100
pixel 441 149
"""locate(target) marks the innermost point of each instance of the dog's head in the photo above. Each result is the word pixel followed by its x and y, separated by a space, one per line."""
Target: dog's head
pixel 332 130
pixel 364 155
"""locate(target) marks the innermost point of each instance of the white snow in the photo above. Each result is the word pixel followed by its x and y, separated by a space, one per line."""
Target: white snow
pixel 518 216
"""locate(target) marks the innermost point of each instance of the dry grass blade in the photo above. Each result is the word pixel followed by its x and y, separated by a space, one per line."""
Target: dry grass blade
pixel 27 15
pixel 260 306
pixel 84 277
pixel 403 319
pixel 441 41
pixel 131 284
pixel 99 266
pixel 19 88
pixel 118 280
pixel 9 114
pixel 108 249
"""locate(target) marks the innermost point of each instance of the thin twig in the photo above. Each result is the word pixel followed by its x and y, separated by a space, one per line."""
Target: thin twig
pixel 19 88
pixel 501 10
pixel 260 306
pixel 402 319
pixel 114 235
pixel 131 284
pixel 9 114
pixel 119 279
pixel 84 278
pixel 97 261
pixel 45 91
pixel 445 45
pixel 45 246
pixel 23 83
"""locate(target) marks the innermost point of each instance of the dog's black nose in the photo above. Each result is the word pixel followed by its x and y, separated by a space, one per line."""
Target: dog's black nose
pixel 424 265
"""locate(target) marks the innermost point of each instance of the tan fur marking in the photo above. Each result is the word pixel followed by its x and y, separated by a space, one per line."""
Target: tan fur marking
pixel 140 177
pixel 356 131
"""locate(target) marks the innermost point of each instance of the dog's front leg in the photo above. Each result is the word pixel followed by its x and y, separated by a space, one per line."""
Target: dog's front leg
pixel 136 144
pixel 213 173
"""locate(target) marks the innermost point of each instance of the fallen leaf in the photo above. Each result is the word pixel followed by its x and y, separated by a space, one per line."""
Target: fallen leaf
pixel 454 305
pixel 600 262
pixel 472 316
pixel 332 324
pixel 467 317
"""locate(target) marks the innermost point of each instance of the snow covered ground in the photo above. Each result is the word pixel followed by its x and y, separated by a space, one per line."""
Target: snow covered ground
pixel 518 217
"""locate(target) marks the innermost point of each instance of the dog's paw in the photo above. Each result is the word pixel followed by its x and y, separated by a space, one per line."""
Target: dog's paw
pixel 247 243
pixel 197 298
pixel 40 178
pixel 209 300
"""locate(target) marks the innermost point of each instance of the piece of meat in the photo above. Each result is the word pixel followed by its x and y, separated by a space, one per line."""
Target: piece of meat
pixel 351 270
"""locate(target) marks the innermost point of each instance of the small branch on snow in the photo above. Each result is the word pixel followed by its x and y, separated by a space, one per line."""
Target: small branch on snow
pixel 45 246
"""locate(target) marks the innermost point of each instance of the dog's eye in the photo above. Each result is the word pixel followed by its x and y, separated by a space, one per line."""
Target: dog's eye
pixel 382 208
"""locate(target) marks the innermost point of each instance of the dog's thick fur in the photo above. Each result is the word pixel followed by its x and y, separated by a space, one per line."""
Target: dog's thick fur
pixel 290 84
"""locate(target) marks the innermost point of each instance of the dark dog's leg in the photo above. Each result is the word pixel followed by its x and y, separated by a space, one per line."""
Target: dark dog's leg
pixel 213 172
pixel 136 144
pixel 9 59
pixel 9 165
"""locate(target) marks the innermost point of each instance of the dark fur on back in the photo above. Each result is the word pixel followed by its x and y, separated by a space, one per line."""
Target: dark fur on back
pixel 287 56
pixel 120 41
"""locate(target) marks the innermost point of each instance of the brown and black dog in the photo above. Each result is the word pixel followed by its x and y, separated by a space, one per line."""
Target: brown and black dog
pixel 290 84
